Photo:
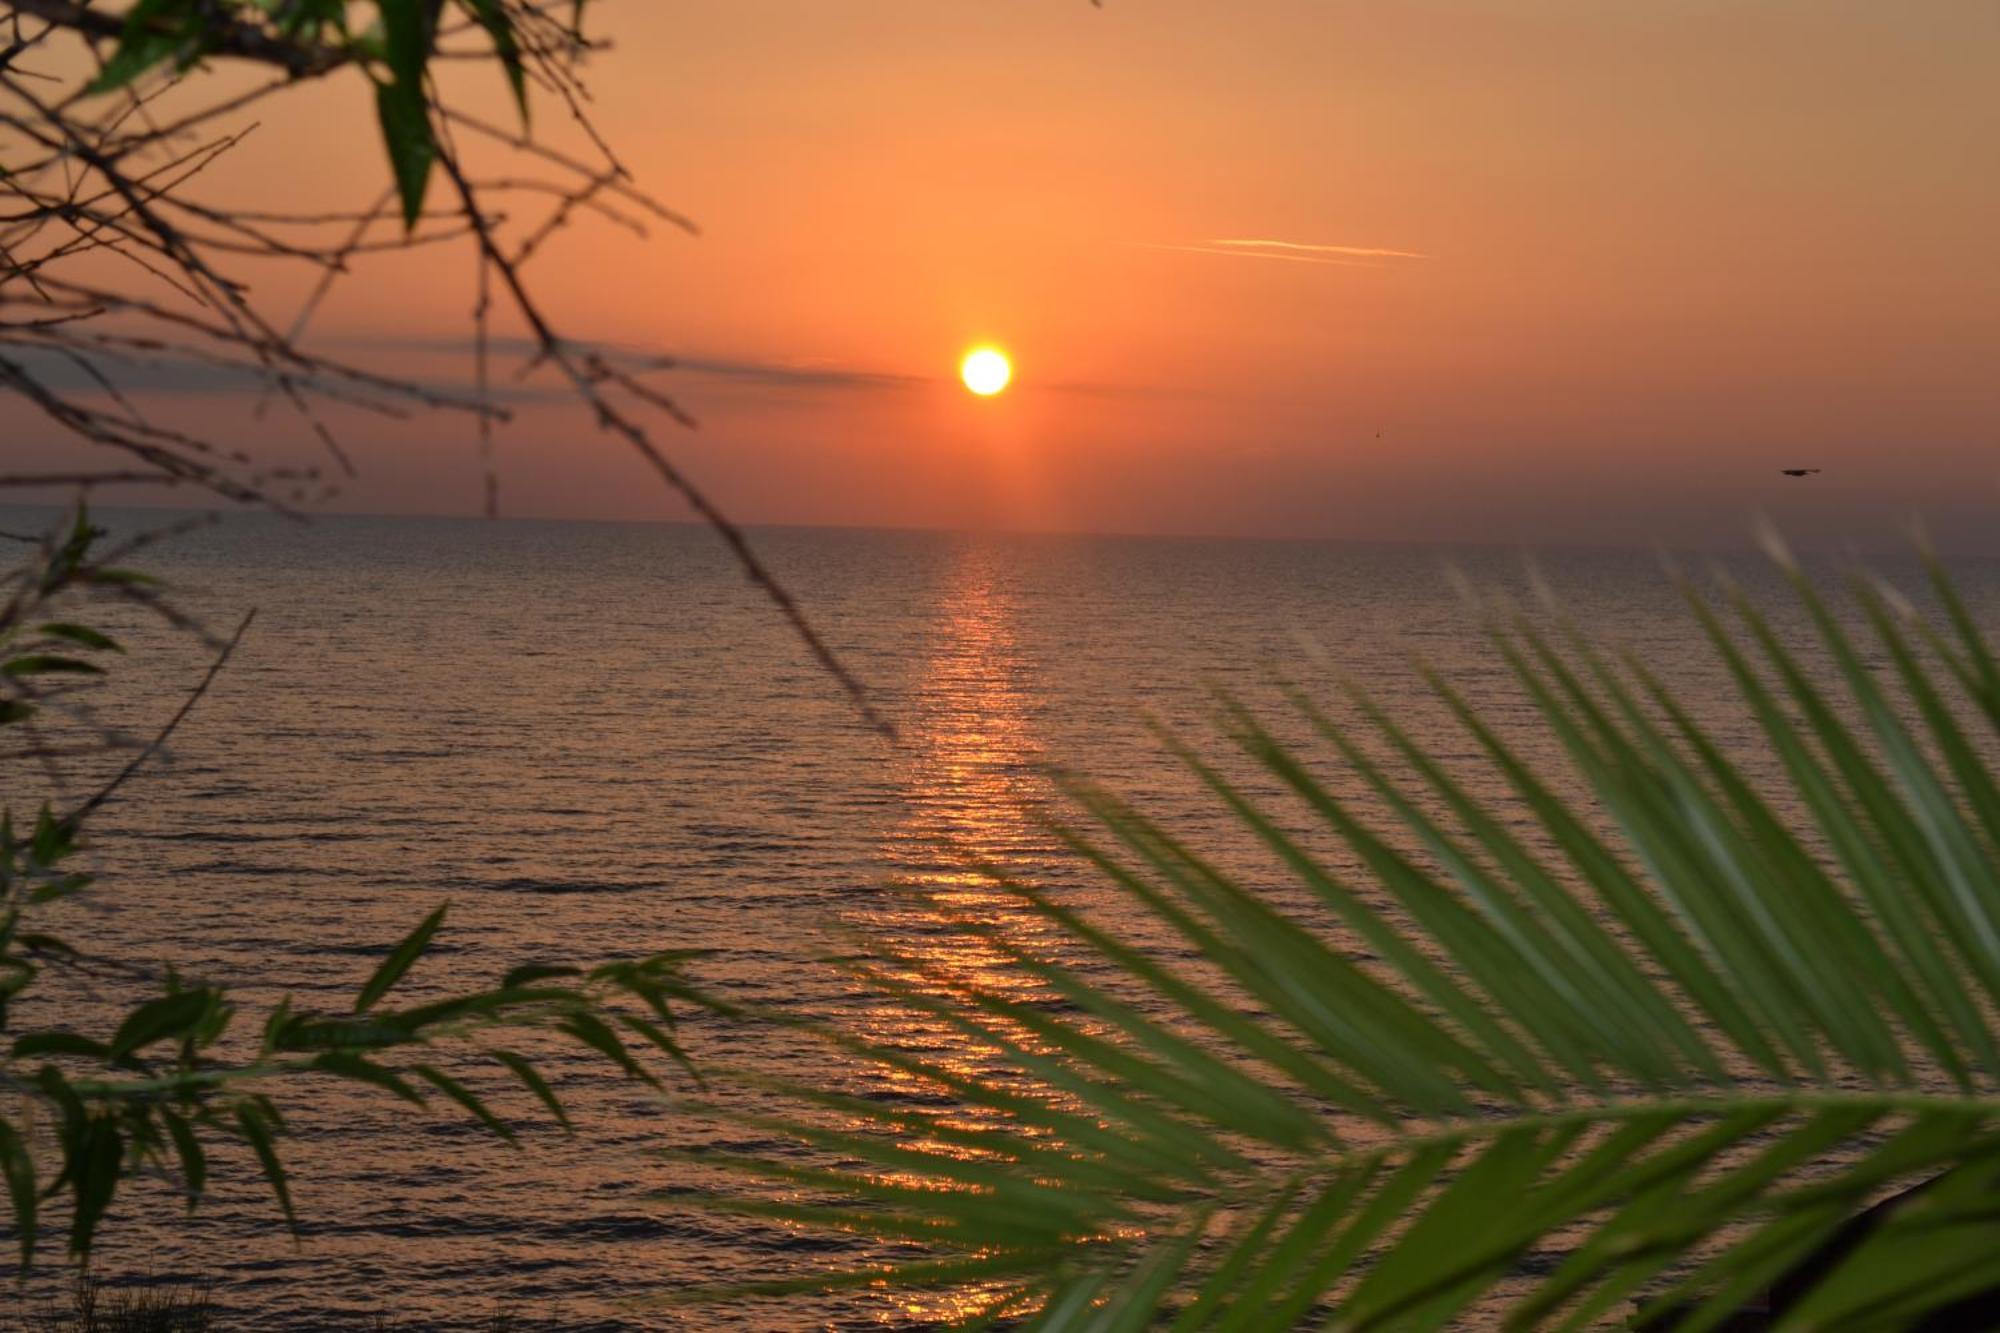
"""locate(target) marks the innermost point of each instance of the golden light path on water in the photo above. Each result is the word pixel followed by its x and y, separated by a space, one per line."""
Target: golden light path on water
pixel 969 780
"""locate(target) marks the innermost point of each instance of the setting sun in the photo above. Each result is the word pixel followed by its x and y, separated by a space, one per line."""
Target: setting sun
pixel 986 371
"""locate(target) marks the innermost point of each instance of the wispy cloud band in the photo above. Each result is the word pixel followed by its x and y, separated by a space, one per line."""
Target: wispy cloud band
pixel 1300 247
pixel 1292 252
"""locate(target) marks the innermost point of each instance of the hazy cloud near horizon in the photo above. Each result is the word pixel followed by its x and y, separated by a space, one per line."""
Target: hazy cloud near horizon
pixel 168 374
pixel 171 375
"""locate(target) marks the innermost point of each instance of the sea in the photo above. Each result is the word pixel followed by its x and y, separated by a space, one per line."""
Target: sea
pixel 596 740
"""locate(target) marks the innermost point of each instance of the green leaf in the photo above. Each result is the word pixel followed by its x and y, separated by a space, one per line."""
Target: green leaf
pixel 251 1122
pixel 19 1167
pixel 535 1083
pixel 142 44
pixel 402 104
pixel 31 1044
pixel 459 1093
pixel 404 114
pixel 592 1032
pixel 399 960
pixel 169 1016
pixel 494 18
pixel 346 1064
pixel 49 664
pixel 82 634
pixel 94 1161
pixel 527 974
pixel 1437 1017
pixel 194 1160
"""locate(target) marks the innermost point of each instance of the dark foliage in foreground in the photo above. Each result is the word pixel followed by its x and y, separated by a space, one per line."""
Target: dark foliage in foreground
pixel 1520 1039
pixel 95 1306
pixel 156 1089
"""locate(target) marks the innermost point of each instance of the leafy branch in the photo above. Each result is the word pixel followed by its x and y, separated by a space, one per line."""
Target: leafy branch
pixel 101 170
pixel 1539 1043
pixel 155 1088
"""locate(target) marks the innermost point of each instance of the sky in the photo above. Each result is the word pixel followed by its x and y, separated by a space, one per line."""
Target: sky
pixel 1474 270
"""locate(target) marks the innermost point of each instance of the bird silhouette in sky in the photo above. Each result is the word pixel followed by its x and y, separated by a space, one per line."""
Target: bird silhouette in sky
pixel 1798 471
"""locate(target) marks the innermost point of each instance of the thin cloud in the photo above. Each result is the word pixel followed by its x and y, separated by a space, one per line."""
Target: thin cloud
pixel 1292 252
pixel 515 355
pixel 442 367
pixel 1355 251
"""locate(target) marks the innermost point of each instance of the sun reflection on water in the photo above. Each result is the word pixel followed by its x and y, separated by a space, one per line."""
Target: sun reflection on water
pixel 968 781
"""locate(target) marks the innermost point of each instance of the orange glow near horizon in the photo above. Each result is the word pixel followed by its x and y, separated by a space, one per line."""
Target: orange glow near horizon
pixel 1295 271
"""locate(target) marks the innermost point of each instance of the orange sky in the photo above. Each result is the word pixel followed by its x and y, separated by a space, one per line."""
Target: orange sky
pixel 1654 251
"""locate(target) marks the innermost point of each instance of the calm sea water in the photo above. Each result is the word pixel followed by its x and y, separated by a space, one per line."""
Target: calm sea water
pixel 597 739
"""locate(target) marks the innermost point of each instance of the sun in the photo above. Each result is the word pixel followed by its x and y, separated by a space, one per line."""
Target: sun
pixel 986 371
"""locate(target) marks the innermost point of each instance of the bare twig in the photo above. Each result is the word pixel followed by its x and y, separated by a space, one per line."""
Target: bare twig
pixel 86 177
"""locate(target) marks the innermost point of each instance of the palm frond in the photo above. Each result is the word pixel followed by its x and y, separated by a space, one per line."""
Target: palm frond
pixel 1656 1027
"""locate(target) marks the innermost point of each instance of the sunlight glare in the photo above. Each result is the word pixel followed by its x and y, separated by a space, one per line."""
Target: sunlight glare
pixel 985 371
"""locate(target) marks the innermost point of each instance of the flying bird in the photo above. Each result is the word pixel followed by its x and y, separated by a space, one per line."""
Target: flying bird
pixel 1798 471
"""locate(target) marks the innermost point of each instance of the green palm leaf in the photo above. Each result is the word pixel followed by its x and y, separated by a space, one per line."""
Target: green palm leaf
pixel 1656 1028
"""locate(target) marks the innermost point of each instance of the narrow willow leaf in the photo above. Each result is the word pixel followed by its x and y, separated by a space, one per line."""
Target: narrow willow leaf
pixel 499 27
pixel 48 664
pixel 94 1160
pixel 654 1034
pixel 463 1095
pixel 399 960
pixel 169 1016
pixel 82 634
pixel 193 1158
pixel 591 1031
pixel 527 974
pixel 18 1165
pixel 532 1079
pixel 256 1131
pixel 31 1044
pixel 404 115
pixel 348 1065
